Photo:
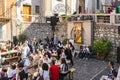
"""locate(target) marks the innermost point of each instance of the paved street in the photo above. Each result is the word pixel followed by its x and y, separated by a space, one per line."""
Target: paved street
pixel 91 69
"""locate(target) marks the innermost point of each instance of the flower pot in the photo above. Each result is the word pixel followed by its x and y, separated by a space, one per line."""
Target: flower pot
pixel 101 57
pixel 100 20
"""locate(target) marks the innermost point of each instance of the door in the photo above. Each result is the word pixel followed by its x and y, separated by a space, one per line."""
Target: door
pixel 27 11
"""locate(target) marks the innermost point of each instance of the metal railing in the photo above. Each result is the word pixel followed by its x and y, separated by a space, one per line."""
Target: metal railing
pixel 98 18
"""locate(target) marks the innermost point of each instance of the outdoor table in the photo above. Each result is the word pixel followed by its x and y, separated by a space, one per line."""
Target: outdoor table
pixel 9 55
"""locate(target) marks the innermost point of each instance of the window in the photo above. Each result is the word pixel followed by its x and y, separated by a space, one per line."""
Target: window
pixel 1 32
pixel 37 9
pixel 98 4
pixel 59 0
pixel 26 10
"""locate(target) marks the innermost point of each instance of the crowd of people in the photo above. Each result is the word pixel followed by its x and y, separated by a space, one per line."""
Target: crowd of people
pixel 46 60
pixel 43 60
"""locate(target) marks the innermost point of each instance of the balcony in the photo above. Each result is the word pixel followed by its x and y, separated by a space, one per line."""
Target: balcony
pixel 98 18
pixel 4 15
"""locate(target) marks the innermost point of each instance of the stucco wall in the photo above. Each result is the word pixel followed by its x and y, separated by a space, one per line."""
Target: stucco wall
pixel 86 32
pixel 38 30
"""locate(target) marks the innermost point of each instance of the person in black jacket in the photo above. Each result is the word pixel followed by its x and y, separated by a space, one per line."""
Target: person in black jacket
pixel 68 54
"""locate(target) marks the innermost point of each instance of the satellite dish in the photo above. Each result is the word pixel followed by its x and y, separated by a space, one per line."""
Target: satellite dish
pixel 18 22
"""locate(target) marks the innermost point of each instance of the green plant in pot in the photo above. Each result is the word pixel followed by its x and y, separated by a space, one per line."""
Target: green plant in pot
pixel 100 17
pixel 102 47
pixel 65 17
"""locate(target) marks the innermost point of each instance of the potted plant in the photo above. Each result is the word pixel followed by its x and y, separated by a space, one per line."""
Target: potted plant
pixel 100 18
pixel 64 17
pixel 102 47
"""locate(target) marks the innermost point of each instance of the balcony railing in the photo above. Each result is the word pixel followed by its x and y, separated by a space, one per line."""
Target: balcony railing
pixel 98 18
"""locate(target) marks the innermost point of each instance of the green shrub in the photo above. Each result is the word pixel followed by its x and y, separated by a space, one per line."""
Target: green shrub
pixel 65 17
pixel 22 37
pixel 65 41
pixel 102 46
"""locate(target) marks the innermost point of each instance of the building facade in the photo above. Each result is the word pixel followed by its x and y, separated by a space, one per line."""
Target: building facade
pixel 7 13
pixel 13 12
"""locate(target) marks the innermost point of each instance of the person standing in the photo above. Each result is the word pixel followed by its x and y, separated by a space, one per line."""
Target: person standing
pixel 63 69
pixel 55 41
pixel 45 72
pixel 68 54
pixel 54 71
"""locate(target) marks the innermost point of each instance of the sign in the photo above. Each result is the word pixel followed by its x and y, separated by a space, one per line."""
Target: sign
pixel 78 32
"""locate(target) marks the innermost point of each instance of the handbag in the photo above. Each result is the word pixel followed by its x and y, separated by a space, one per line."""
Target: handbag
pixel 41 77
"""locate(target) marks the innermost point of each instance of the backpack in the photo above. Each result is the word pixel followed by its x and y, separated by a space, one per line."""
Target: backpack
pixel 65 67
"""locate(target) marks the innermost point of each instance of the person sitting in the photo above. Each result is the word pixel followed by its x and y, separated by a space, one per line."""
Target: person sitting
pixel 21 73
pixel 110 75
pixel 12 71
pixel 81 54
pixel 109 10
pixel 3 74
pixel 114 75
pixel 118 76
pixel 63 69
pixel 46 59
pixel 63 54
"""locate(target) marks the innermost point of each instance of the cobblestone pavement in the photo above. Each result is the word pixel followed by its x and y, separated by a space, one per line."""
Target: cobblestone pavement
pixel 88 69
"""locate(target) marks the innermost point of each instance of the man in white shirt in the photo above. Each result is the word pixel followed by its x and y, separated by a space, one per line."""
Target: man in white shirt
pixel 25 52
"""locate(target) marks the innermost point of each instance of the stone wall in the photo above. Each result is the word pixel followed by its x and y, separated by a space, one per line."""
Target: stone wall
pixel 61 30
pixel 108 31
pixel 38 30
pixel 42 30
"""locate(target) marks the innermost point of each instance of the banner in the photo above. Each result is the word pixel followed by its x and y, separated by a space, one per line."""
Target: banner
pixel 78 32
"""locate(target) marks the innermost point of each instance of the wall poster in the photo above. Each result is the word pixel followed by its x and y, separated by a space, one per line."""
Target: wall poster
pixel 78 32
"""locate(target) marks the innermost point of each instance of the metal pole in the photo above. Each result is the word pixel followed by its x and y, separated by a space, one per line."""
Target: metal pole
pixel 66 7
pixel 11 20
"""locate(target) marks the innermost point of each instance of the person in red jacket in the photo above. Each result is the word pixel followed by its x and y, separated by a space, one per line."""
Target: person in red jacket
pixel 54 71
pixel 109 10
